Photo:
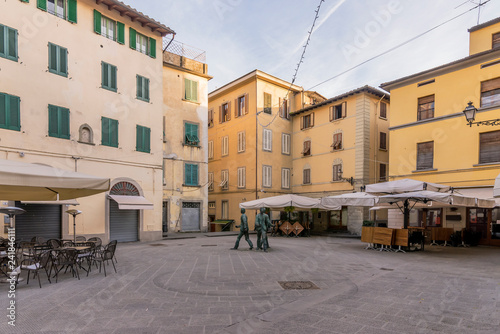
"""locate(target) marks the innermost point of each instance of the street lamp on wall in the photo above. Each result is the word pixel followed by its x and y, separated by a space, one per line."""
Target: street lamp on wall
pixel 470 116
pixel 340 178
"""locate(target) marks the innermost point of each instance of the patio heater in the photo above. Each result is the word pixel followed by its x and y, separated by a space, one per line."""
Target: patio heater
pixel 11 211
pixel 74 213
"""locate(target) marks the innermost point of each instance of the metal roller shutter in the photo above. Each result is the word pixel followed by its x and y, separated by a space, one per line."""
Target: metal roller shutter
pixel 190 216
pixel 41 220
pixel 123 224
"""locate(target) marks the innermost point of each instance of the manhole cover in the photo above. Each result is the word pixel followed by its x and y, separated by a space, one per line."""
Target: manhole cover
pixel 298 285
pixel 158 245
pixel 208 245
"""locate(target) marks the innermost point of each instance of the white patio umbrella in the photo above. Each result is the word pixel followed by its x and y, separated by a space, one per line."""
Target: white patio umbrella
pixel 282 201
pixel 349 199
pixel 404 185
pixel 33 182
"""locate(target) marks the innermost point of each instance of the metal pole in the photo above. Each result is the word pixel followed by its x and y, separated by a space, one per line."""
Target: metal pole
pixel 406 213
pixel 74 228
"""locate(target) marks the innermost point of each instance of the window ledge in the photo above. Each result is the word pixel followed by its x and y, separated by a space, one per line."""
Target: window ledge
pixel 195 102
pixel 336 150
pixel 65 75
pixel 487 164
pixel 197 146
pixel 83 142
pixel 382 149
pixel 190 185
pixel 383 118
pixel 110 89
pixel 141 99
pixel 424 170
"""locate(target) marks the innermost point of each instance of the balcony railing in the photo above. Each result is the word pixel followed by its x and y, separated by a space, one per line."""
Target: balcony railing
pixel 184 50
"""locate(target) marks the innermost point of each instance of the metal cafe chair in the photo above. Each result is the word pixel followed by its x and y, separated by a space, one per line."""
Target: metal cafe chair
pixel 41 260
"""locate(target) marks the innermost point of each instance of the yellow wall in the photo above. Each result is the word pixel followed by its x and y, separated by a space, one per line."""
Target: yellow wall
pixel 29 79
pixel 481 40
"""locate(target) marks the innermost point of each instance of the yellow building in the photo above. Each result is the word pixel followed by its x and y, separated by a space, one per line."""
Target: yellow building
pixel 81 89
pixel 431 141
pixel 185 101
pixel 249 141
pixel 338 146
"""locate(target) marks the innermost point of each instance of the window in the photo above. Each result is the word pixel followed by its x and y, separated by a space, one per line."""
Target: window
pixel 58 122
pixel 307 121
pixel 58 60
pixel 241 177
pixel 109 132
pixel 224 184
pixel 65 9
pixel 337 141
pixel 109 28
pixel 142 88
pixel 425 155
pixel 143 139
pixel 225 112
pixel 241 105
pixel 225 209
pixel 489 147
pixel 306 176
pixel 191 134
pixel 383 141
pixel 141 43
pixel 425 107
pixel 10 115
pixel 211 205
pixel 211 182
pixel 383 110
pixel 108 76
pixel 8 43
pixel 191 90
pixel 241 142
pixel 210 118
pixel 490 93
pixel 268 103
pixel 285 178
pixel 285 143
pixel 225 146
pixel 306 151
pixel 190 174
pixel 284 111
pixel 496 40
pixel 383 173
pixel 86 135
pixel 211 149
pixel 338 111
pixel 337 168
pixel 267 140
pixel 267 176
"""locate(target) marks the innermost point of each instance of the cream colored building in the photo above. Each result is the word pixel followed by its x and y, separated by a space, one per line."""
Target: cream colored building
pixel 81 89
pixel 185 144
pixel 249 141
pixel 339 145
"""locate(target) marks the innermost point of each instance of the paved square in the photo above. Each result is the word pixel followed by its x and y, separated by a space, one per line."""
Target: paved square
pixel 198 285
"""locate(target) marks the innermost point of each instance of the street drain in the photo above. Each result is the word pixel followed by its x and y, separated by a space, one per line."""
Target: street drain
pixel 208 245
pixel 158 245
pixel 388 269
pixel 298 285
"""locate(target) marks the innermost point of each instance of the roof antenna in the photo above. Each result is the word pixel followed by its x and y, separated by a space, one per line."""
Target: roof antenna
pixel 479 11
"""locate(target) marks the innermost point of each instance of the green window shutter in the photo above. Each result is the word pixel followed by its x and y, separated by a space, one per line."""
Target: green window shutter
pixel 146 89
pixel 152 47
pixel 2 41
pixel 132 36
pixel 72 11
pixel 105 135
pixel 3 110
pixel 187 174
pixel 64 123
pixel 97 22
pixel 147 140
pixel 63 61
pixel 138 138
pixel 25 0
pixel 14 113
pixel 120 32
pixel 42 4
pixel 187 89
pixel 52 58
pixel 53 121
pixel 113 133
pixel 194 173
pixel 194 90
pixel 112 74
pixel 12 43
pixel 104 75
pixel 139 86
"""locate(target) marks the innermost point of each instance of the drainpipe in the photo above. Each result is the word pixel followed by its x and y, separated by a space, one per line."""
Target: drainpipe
pixel 173 36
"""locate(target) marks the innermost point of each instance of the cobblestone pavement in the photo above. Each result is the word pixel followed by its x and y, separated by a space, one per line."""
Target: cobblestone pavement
pixel 199 286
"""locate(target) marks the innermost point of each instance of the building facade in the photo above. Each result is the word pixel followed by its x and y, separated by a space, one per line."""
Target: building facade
pixel 430 139
pixel 339 145
pixel 81 89
pixel 185 144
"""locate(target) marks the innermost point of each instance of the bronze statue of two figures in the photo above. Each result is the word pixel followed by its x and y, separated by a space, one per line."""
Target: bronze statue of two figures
pixel 262 226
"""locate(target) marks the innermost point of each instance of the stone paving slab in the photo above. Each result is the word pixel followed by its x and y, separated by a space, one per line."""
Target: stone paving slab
pixel 189 287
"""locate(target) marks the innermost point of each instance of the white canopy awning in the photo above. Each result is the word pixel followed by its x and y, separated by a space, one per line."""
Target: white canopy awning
pixel 20 181
pixel 283 201
pixel 484 196
pixel 350 199
pixel 426 195
pixel 63 202
pixel 132 202
pixel 404 185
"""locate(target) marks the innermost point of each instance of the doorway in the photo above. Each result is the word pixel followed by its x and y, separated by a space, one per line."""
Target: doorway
pixel 485 222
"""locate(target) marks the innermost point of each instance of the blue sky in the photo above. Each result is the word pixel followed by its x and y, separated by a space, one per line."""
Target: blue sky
pixel 242 35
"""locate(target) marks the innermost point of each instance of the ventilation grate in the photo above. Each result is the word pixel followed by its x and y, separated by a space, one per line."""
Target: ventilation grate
pixel 298 285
